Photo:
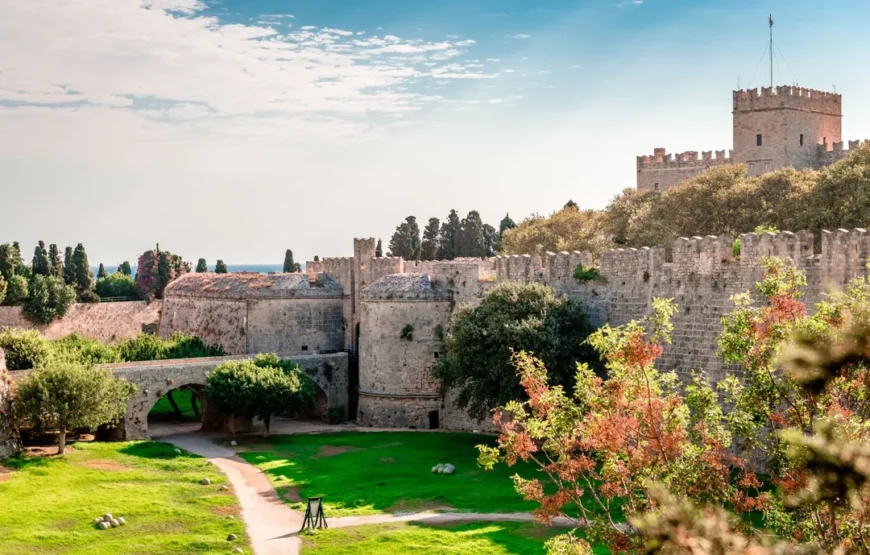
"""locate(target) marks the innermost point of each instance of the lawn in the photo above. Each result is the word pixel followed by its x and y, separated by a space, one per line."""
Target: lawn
pixel 47 503
pixel 501 538
pixel 374 472
pixel 163 410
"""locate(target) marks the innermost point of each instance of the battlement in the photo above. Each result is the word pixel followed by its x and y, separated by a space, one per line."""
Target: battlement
pixel 793 98
pixel 689 159
pixel 832 152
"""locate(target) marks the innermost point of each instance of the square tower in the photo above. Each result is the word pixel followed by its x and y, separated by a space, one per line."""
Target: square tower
pixel 784 127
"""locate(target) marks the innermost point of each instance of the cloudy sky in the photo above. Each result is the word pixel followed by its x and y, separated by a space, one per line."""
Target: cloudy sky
pixel 237 128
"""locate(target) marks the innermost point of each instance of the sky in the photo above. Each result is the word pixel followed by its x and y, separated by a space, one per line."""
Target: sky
pixel 236 129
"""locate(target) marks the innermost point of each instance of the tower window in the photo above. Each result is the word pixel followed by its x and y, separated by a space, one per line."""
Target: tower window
pixel 802 139
pixel 758 140
pixel 656 187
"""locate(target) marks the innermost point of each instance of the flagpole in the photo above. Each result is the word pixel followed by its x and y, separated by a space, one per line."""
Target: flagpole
pixel 770 19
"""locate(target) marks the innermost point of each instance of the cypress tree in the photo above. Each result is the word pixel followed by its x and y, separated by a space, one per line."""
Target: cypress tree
pixel 7 261
pixel 316 258
pixel 201 266
pixel 40 264
pixel 220 267
pixel 430 249
pixel 406 240
pixel 469 241
pixel 84 278
pixel 55 261
pixel 449 235
pixel 69 267
pixel 506 224
pixel 101 272
pixel 289 264
pixel 379 249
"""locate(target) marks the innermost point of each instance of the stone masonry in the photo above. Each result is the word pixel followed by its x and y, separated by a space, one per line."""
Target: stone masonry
pixel 772 128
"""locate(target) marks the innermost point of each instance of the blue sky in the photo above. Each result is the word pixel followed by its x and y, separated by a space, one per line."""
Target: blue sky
pixel 235 129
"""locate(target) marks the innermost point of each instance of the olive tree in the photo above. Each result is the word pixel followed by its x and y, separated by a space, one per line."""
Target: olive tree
pixel 67 396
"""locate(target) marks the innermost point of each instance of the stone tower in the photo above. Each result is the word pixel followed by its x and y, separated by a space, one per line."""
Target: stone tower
pixel 784 127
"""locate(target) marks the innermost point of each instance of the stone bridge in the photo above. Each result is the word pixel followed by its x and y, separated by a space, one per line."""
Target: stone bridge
pixel 155 378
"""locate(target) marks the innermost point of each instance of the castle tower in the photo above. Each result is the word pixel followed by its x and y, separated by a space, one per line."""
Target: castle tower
pixel 784 126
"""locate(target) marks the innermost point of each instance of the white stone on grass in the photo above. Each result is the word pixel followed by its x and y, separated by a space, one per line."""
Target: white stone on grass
pixel 103 525
pixel 234 443
pixel 114 522
pixel 448 469
pixel 97 520
pixel 121 521
pixel 232 537
pixel 205 481
pixel 107 517
pixel 238 550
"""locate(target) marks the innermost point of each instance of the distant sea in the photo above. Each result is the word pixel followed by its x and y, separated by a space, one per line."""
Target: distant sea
pixel 258 268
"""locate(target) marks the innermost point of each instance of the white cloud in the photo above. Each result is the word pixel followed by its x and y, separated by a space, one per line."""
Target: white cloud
pixel 493 60
pixel 519 36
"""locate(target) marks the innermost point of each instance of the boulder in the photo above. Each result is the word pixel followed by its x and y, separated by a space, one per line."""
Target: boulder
pixel 205 481
pixel 232 537
pixel 121 521
pixel 107 517
pixel 448 469
pixel 103 525
pixel 114 523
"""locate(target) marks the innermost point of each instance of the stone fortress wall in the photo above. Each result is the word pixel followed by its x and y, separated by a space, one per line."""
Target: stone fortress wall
pixel 799 128
pixel 104 322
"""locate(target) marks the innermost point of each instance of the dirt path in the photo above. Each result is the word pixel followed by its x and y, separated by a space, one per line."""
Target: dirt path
pixel 271 525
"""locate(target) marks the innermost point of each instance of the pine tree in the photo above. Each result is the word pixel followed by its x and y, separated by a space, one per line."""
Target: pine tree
pixel 201 266
pixel 430 249
pixel 379 249
pixel 506 224
pixel 84 278
pixel 449 234
pixel 406 240
pixel 101 272
pixel 40 264
pixel 469 241
pixel 55 262
pixel 69 267
pixel 220 267
pixel 125 268
pixel 316 258
pixel 289 264
pixel 491 240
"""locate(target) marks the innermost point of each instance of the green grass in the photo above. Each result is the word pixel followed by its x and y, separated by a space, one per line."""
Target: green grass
pixel 162 409
pixel 500 538
pixel 47 503
pixel 387 472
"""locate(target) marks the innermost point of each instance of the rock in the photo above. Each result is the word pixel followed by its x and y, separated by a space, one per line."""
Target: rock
pixel 238 550
pixel 97 520
pixel 232 537
pixel 234 443
pixel 448 469
pixel 107 517
pixel 121 521
pixel 231 517
pixel 103 525
pixel 223 488
pixel 438 468
pixel 114 522
pixel 205 481
pixel 178 451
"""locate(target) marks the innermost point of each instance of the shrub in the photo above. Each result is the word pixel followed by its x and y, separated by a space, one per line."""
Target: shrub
pixel 582 273
pixel 335 415
pixel 68 396
pixel 49 299
pixel 16 290
pixel 407 332
pixel 83 350
pixel 25 349
pixel 116 285
pixel 179 345
pixel 2 289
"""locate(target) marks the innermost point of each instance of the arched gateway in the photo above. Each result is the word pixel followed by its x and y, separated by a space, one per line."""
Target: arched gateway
pixel 155 378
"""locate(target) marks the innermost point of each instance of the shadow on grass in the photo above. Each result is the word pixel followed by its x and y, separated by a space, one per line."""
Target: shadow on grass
pixel 155 450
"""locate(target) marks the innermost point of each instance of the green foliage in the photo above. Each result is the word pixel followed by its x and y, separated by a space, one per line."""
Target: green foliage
pixel 124 268
pixel 569 229
pixel 77 349
pixel 69 267
pixel 84 278
pixel 406 240
pixel 220 267
pixel 49 298
pixel 116 285
pixel 25 349
pixel 178 345
pixel 582 273
pixel 55 262
pixel 289 263
pixel 431 240
pixel 8 261
pixel 470 239
pixel 407 332
pixel 67 396
pixel 305 399
pixel 335 415
pixel 41 264
pixel 242 388
pixel 101 272
pixel 2 289
pixel 156 270
pixel 379 249
pixel 512 317
pixel 201 266
pixel 17 290
pixel 449 236
pixel 505 224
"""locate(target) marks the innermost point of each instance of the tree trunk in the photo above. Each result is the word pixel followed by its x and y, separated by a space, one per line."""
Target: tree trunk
pixel 61 442
pixel 194 405
pixel 232 425
pixel 172 402
pixel 266 421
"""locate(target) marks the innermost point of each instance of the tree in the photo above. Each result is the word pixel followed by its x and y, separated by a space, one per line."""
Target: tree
pixel 116 285
pixel 54 261
pixel 379 249
pixel 221 268
pixel 124 268
pixel 41 264
pixel 571 204
pixel 2 289
pixel 601 451
pixel 406 240
pixel 156 270
pixel 449 234
pixel 201 266
pixel 20 268
pixel 491 241
pixel 7 261
pixel 69 267
pixel 566 230
pixel 316 258
pixel 17 291
pixel 68 396
pixel 25 349
pixel 505 224
pixel 430 248
pixel 101 272
pixel 84 278
pixel 241 388
pixel 49 299
pixel 511 317
pixel 289 264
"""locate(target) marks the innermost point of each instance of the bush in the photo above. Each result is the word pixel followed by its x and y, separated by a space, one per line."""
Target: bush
pixel 582 273
pixel 49 299
pixel 407 332
pixel 156 270
pixel 335 415
pixel 16 291
pixel 116 285
pixel 25 349
pixel 150 347
pixel 306 398
pixel 68 396
pixel 2 289
pixel 75 348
